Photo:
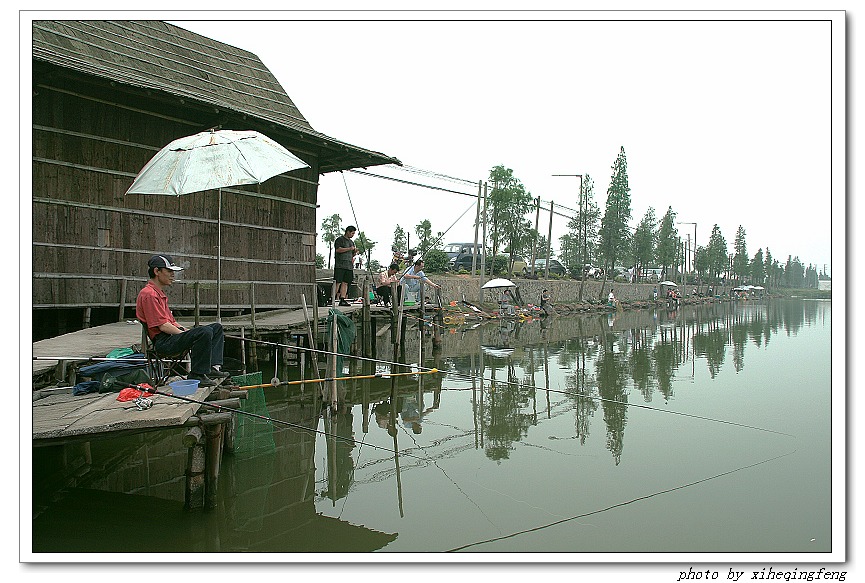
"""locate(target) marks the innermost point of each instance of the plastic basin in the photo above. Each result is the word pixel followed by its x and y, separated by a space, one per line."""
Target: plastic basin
pixel 185 387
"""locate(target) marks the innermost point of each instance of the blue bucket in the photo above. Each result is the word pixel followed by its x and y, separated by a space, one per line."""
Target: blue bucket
pixel 185 387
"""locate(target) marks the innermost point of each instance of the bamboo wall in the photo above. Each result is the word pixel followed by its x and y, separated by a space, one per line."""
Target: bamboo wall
pixel 91 242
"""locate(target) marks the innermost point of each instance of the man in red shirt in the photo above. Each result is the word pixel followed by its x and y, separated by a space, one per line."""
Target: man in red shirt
pixel 169 337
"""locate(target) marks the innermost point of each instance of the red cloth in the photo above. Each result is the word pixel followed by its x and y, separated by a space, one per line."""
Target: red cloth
pixel 151 307
pixel 130 394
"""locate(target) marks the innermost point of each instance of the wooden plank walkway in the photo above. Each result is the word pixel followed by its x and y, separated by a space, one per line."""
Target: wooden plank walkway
pixel 64 416
pixel 98 341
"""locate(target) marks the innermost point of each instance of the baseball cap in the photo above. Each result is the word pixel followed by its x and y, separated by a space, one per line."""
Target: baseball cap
pixel 163 262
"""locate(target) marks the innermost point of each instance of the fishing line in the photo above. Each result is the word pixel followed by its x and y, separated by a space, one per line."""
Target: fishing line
pixel 619 505
pixel 535 387
pixel 148 389
pixel 432 460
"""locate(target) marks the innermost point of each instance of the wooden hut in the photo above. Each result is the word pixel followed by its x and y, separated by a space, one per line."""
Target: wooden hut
pixel 107 95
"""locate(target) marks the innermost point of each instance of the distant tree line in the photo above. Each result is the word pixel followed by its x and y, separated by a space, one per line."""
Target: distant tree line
pixel 598 237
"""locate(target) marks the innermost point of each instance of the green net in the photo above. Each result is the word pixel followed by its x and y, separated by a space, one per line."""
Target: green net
pixel 345 333
pixel 253 378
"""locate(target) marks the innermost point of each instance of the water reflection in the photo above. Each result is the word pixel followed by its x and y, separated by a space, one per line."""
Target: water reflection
pixel 406 460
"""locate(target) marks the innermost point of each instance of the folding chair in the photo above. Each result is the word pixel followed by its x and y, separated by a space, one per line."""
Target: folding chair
pixel 161 367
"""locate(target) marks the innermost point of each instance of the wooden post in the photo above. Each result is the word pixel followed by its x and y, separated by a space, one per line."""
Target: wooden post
pixel 87 317
pixel 303 372
pixel 195 466
pixel 252 305
pixel 243 348
pixel 367 287
pixel 310 335
pixel 438 319
pixel 213 429
pixel 333 348
pixel 197 293
pixel 122 315
pixel 394 306
pixel 315 319
pixel 422 300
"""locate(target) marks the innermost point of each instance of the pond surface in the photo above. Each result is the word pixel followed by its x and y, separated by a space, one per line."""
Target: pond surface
pixel 705 430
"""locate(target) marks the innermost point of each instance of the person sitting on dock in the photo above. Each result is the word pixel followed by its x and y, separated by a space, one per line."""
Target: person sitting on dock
pixel 507 303
pixel 611 299
pixel 385 278
pixel 169 337
pixel 412 277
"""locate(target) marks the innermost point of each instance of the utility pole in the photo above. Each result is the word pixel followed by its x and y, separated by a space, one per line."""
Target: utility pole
pixel 483 249
pixel 581 233
pixel 549 243
pixel 535 243
pixel 477 224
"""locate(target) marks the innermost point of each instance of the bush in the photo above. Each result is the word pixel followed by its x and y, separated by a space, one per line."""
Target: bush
pixel 435 261
pixel 319 261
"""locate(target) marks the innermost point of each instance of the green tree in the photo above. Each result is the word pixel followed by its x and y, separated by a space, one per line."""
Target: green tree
pixel 508 204
pixel 436 261
pixel 319 261
pixel 399 239
pixel 365 246
pixel 666 242
pixel 740 255
pixel 757 268
pixel 423 230
pixel 644 240
pixel 767 266
pixel 579 245
pixel 717 253
pixel 701 262
pixel 614 234
pixel 330 228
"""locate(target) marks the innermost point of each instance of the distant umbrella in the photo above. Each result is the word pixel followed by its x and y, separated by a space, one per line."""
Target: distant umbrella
pixel 669 283
pixel 498 282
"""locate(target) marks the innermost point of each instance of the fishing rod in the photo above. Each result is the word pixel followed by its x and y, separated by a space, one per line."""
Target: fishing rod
pixel 148 389
pixel 378 375
pixel 535 387
pixel 90 358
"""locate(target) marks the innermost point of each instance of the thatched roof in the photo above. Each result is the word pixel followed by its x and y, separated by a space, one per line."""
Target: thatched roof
pixel 157 56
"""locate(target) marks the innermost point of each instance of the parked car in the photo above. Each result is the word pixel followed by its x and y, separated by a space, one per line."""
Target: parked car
pixel 520 265
pixel 555 267
pixel 460 255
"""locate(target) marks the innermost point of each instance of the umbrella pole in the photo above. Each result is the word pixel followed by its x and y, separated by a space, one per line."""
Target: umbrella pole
pixel 219 259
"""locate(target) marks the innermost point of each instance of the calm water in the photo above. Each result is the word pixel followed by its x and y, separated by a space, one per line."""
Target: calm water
pixel 702 430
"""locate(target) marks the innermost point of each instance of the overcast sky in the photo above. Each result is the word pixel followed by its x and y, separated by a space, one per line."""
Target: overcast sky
pixel 727 122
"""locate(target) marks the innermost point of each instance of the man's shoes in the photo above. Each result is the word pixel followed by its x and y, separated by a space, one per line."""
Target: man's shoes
pixel 218 374
pixel 344 303
pixel 203 379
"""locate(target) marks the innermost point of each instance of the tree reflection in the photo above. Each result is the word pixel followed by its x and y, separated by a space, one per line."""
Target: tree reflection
pixel 611 370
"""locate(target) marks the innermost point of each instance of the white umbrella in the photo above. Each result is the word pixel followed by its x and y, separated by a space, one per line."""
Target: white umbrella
pixel 498 282
pixel 670 283
pixel 214 160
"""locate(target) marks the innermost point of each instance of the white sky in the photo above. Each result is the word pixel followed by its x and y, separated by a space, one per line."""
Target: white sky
pixel 728 122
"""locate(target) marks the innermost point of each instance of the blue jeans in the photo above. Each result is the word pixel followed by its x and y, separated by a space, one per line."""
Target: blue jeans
pixel 206 342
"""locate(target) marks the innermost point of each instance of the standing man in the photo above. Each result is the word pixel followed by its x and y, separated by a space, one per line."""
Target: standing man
pixel 545 302
pixel 343 274
pixel 169 337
